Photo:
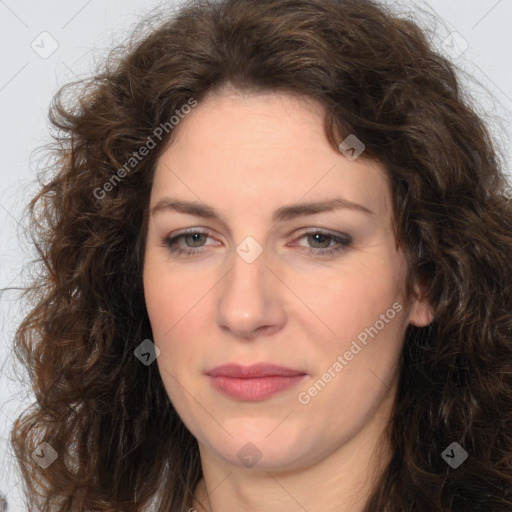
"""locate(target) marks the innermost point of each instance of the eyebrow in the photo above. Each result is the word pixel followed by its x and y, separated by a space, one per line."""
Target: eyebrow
pixel 281 214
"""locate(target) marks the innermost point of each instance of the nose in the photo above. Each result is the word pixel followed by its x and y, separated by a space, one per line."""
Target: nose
pixel 249 302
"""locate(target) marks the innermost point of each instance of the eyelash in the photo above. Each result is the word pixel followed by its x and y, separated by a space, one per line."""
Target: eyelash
pixel 343 242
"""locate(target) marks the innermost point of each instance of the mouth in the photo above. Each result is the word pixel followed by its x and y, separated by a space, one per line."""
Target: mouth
pixel 253 383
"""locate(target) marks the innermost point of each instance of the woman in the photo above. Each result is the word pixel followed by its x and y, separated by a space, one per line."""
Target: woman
pixel 277 264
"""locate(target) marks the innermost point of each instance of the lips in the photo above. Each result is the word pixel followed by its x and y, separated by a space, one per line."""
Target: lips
pixel 255 370
pixel 252 383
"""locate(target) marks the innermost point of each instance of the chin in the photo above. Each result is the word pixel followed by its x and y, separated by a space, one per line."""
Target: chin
pixel 262 444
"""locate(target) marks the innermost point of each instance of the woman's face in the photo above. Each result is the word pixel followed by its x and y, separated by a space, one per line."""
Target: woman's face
pixel 297 268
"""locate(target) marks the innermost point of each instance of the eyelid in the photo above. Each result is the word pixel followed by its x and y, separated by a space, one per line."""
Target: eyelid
pixel 323 231
pixel 189 231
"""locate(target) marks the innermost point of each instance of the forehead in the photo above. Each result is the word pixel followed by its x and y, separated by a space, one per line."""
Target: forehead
pixel 243 148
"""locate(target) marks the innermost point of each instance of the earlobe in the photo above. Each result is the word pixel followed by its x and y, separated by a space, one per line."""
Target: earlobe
pixel 421 312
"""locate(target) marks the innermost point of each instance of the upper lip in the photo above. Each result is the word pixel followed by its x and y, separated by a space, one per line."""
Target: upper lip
pixel 252 371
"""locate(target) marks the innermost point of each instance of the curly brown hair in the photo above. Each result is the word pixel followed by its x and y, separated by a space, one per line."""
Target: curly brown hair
pixel 121 444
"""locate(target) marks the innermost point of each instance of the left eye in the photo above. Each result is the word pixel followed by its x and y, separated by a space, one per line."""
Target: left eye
pixel 196 239
pixel 329 243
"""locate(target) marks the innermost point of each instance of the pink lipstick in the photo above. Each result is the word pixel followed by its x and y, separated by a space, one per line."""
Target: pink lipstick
pixel 255 382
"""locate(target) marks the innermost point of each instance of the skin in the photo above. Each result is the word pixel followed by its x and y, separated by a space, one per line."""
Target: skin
pixel 246 156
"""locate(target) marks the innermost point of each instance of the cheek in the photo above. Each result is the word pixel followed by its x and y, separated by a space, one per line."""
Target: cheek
pixel 351 297
pixel 355 368
pixel 167 314
pixel 167 310
pixel 171 296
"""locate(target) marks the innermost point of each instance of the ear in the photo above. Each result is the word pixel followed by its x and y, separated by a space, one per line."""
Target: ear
pixel 421 311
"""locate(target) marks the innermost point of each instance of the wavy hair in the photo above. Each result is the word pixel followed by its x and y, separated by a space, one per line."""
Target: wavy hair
pixel 121 445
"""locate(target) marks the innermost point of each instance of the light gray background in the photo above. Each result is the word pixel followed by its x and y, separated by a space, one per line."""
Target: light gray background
pixel 84 30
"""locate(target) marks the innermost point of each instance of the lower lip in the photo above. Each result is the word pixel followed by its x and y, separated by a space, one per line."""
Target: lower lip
pixel 258 388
